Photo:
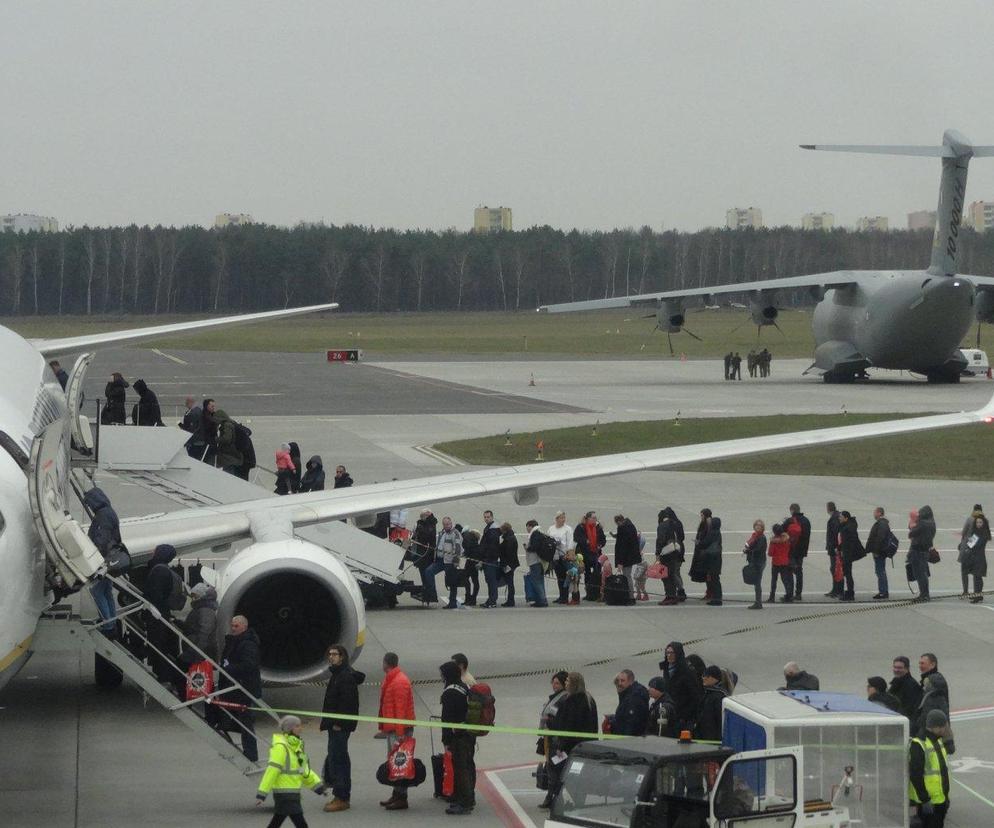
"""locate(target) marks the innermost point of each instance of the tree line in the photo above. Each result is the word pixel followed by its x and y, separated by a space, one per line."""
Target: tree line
pixel 161 270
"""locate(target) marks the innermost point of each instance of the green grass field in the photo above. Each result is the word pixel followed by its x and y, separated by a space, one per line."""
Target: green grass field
pixel 950 454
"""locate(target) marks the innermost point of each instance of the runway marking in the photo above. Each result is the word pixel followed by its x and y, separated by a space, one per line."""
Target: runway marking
pixel 504 803
pixel 979 796
pixel 175 359
pixel 440 456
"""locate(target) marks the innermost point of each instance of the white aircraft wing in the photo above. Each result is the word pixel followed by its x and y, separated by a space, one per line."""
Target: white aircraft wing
pixel 50 348
pixel 979 281
pixel 815 281
pixel 217 526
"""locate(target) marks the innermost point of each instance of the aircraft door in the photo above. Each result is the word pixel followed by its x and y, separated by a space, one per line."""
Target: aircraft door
pixel 759 789
pixel 66 544
pixel 79 424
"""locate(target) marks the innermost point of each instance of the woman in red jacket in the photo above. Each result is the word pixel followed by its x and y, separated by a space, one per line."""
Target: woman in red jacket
pixel 780 558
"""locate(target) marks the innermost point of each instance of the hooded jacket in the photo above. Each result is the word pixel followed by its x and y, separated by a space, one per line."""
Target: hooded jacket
pixel 935 696
pixel 669 530
pixel 490 543
pixel 849 542
pixel 683 686
pixel 454 701
pixel 342 696
pixel 631 717
pixel 115 393
pixel 709 547
pixel 577 714
pixel 240 658
pixel 509 551
pixel 422 547
pixel 159 581
pixel 313 477
pixel 923 534
pixel 227 451
pixel 105 528
pixel 146 411
pixel 626 545
pixel 200 626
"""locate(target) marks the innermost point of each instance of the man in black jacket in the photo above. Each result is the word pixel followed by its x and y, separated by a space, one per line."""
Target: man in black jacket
pixel 851 549
pixel 875 546
pixel 340 696
pixel 682 684
pixel 165 646
pixel 105 532
pixel 832 547
pixel 632 714
pixel 146 411
pixel 240 659
pixel 193 424
pixel 461 743
pixel 799 549
pixel 904 687
pixel 709 717
pixel 797 679
pixel 509 560
pixel 490 557
pixel 876 692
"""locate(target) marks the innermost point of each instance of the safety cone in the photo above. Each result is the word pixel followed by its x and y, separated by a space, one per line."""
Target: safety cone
pixel 540 445
pixel 531 381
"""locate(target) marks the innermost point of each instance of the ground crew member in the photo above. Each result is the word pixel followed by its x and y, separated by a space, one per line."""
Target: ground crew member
pixel 288 770
pixel 928 772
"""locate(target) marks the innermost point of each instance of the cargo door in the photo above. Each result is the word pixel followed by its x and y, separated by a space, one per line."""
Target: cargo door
pixel 66 544
pixel 759 789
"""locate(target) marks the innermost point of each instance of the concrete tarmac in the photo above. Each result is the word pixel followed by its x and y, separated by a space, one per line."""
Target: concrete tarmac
pixel 76 756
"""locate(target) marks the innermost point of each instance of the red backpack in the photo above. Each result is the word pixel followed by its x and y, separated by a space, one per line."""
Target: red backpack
pixel 481 708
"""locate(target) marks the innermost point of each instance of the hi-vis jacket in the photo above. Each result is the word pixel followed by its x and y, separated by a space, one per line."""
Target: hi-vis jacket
pixel 289 769
pixel 931 778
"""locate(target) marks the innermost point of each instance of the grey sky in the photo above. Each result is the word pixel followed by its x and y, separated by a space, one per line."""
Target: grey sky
pixel 409 114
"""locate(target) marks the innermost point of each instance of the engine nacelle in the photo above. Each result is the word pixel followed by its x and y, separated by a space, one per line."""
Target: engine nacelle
pixel 300 599
pixel 669 317
pixel 985 305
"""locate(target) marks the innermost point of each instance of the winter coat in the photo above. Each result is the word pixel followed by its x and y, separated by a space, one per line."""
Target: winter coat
pixel 935 696
pixel 146 411
pixel 283 461
pixel 922 535
pixel 755 552
pixel 200 626
pixel 800 546
pixel 227 452
pixel 422 547
pixel 490 543
pixel 663 718
pixel 626 545
pixel 448 546
pixel 878 533
pixel 780 551
pixel 578 714
pixel 471 546
pixel 973 559
pixel 396 700
pixel 313 478
pixel 631 717
pixel 241 659
pixel 802 681
pixel 583 545
pixel 886 700
pixel 455 706
pixel 115 393
pixel 193 424
pixel 683 686
pixel 669 530
pixel 297 466
pixel 343 481
pixel 709 716
pixel 105 528
pixel 342 696
pixel 709 548
pixel 508 552
pixel 849 543
pixel 832 532
pixel 159 580
pixel 908 693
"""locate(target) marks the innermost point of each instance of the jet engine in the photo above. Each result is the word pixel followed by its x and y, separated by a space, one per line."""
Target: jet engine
pixel 300 599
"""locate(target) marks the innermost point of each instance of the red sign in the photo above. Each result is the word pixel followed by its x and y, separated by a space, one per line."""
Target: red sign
pixel 344 355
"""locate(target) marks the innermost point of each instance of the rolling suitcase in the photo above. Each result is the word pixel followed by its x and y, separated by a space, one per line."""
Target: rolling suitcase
pixel 617 592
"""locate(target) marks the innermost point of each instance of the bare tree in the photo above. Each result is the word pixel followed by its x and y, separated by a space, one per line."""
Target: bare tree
pixel 17 274
pixel 519 272
pixel 123 253
pixel 334 264
pixel 167 253
pixel 107 243
pixel 418 268
pixel 220 269
pixel 645 256
pixel 609 262
pixel 460 259
pixel 287 287
pixel 499 272
pixel 137 247
pixel 376 272
pixel 90 249
pixel 34 275
pixel 567 257
pixel 62 269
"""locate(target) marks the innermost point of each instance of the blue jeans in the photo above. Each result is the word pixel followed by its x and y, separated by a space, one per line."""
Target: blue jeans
pixel 103 596
pixel 537 577
pixel 880 568
pixel 428 580
pixel 338 766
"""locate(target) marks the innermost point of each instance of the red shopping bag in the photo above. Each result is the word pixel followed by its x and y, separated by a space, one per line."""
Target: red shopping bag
pixel 199 680
pixel 448 774
pixel 837 568
pixel 657 570
pixel 400 761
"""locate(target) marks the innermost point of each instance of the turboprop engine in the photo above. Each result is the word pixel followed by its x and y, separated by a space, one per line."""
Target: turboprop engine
pixel 300 599
pixel 762 309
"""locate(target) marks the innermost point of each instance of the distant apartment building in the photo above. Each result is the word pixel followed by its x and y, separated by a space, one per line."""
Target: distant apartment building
pixel 491 219
pixel 921 220
pixel 738 218
pixel 873 223
pixel 232 219
pixel 27 223
pixel 980 216
pixel 818 221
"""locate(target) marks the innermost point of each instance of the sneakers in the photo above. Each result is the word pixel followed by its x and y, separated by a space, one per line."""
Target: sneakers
pixel 488 605
pixel 757 605
pixel 881 596
pixel 669 602
pixel 458 810
pixel 337 805
pixel 508 604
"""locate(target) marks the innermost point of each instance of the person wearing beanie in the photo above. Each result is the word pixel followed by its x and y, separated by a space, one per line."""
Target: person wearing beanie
pixel 928 771
pixel 709 718
pixel 288 771
pixel 662 711
pixel 200 626
pixel 876 692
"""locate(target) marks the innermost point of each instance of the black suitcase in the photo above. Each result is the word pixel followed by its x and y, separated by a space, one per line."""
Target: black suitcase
pixel 617 592
pixel 437 771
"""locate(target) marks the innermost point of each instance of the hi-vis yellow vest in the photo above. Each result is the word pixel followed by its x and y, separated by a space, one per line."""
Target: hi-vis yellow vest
pixel 933 772
pixel 288 770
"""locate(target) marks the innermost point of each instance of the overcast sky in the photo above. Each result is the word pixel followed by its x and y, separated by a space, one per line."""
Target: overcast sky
pixel 410 114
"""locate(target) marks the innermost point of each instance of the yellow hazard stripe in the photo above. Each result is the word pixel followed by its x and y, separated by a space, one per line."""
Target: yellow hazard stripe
pixel 16 653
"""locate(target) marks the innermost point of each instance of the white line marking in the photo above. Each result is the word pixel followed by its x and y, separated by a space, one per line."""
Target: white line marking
pixel 175 359
pixel 512 803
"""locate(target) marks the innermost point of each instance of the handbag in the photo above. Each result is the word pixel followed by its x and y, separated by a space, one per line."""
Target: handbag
pixel 118 559
pixel 933 555
pixel 671 548
pixel 448 774
pixel 749 575
pixel 199 680
pixel 400 761
pixel 657 570
pixel 541 776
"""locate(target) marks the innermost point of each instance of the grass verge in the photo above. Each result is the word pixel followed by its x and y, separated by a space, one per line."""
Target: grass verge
pixel 949 454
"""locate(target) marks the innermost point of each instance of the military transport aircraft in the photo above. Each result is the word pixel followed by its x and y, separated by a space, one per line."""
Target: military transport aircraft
pixel 41 545
pixel 912 320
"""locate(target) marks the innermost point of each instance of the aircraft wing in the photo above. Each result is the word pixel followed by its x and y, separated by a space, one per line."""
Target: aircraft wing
pixel 816 281
pixel 217 526
pixel 979 281
pixel 50 348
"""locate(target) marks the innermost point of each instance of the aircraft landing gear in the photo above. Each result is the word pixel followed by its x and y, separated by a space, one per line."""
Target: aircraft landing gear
pixel 107 676
pixel 838 377
pixel 942 377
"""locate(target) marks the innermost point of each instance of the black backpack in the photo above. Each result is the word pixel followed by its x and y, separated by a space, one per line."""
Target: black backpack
pixel 544 546
pixel 890 545
pixel 617 592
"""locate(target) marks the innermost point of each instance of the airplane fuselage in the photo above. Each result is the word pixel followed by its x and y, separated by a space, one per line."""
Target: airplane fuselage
pixel 908 320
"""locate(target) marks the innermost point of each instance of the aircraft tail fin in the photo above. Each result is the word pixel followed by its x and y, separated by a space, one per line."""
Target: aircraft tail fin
pixel 955 152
